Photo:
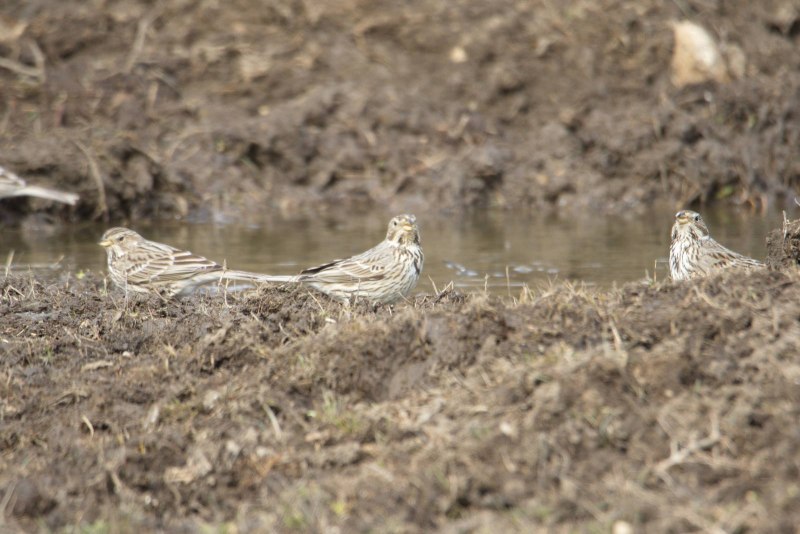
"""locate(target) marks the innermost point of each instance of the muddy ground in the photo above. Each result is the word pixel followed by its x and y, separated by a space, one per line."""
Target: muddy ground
pixel 664 407
pixel 223 109
pixel 671 407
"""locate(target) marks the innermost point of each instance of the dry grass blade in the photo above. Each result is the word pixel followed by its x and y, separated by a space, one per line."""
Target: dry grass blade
pixel 9 261
pixel 97 177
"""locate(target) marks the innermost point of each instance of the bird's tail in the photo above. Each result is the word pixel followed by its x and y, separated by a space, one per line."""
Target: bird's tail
pixel 49 194
pixel 245 276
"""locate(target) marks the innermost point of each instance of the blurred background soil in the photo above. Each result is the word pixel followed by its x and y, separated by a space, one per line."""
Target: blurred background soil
pixel 218 109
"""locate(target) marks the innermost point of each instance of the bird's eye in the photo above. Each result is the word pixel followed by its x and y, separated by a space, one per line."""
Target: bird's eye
pixel 697 218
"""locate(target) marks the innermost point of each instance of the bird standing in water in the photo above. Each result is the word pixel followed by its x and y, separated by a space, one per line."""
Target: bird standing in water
pixel 693 252
pixel 140 265
pixel 383 274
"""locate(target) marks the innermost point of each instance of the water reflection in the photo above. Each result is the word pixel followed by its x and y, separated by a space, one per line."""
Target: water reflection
pixel 497 250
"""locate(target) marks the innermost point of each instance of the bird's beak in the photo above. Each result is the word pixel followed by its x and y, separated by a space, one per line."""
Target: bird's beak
pixel 105 243
pixel 408 227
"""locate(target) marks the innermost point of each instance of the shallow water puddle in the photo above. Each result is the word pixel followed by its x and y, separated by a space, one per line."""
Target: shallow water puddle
pixel 499 251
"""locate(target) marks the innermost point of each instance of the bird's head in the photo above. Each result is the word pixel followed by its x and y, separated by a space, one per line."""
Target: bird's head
pixel 687 221
pixel 118 240
pixel 403 230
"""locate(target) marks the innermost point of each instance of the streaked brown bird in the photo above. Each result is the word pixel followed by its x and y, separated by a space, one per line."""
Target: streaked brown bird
pixel 694 253
pixel 383 274
pixel 12 185
pixel 140 265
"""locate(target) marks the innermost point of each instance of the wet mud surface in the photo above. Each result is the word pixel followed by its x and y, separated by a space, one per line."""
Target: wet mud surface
pixel 669 406
pixel 218 110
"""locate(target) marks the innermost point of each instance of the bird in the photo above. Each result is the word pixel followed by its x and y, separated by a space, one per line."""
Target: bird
pixel 142 266
pixel 694 253
pixel 383 274
pixel 12 185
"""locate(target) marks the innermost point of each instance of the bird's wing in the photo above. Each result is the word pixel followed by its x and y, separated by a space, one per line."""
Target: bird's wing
pixel 361 268
pixel 157 262
pixel 720 257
